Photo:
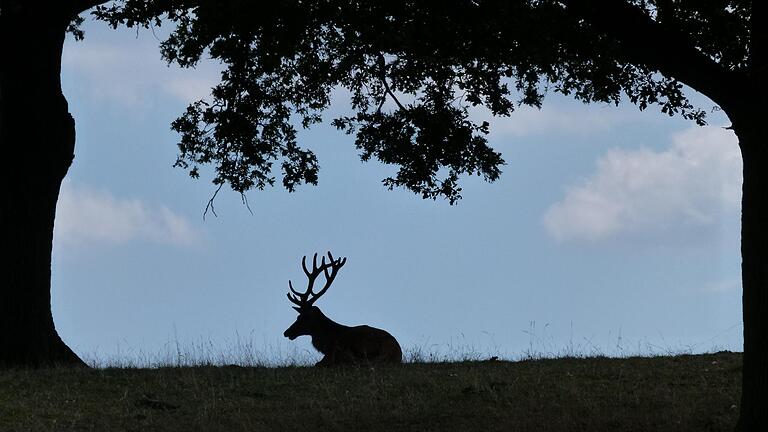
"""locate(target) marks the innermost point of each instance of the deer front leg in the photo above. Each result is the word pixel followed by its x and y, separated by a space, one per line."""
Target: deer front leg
pixel 328 360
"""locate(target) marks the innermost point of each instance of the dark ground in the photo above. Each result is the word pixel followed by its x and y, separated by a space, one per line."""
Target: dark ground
pixel 680 393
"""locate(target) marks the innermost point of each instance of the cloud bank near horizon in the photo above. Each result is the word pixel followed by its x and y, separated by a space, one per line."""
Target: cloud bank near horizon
pixel 641 191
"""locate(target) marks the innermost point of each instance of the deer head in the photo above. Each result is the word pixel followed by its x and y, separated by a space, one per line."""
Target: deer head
pixel 310 319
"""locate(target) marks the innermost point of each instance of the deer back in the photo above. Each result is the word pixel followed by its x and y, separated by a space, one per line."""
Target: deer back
pixel 364 344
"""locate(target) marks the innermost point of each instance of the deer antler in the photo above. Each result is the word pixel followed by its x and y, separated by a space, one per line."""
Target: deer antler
pixel 307 298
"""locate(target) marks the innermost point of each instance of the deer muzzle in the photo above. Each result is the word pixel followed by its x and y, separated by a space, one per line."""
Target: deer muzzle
pixel 290 333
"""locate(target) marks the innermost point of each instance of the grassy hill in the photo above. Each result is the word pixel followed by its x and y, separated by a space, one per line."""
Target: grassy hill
pixel 680 393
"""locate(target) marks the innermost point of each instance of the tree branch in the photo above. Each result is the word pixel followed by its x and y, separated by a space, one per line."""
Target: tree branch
pixel 657 46
pixel 392 95
pixel 383 71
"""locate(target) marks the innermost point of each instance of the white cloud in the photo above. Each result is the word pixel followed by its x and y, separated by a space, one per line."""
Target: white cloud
pixel 122 68
pixel 561 118
pixel 190 88
pixel 560 115
pixel 723 286
pixel 86 215
pixel 690 185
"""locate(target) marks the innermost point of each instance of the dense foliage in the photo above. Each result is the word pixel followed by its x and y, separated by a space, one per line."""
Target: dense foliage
pixel 414 70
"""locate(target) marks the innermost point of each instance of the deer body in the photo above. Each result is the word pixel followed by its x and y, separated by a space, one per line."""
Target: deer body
pixel 338 343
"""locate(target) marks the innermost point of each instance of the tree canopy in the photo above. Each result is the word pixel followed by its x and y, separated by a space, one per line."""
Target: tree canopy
pixel 414 70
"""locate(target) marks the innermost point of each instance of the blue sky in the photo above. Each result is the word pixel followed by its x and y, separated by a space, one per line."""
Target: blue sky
pixel 611 231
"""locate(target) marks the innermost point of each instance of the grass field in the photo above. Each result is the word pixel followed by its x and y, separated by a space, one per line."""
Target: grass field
pixel 678 393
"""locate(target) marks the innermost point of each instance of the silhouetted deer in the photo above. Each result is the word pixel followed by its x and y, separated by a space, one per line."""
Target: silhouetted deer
pixel 339 343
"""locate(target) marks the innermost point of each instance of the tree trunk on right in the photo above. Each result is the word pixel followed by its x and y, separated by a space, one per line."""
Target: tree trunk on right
pixel 754 268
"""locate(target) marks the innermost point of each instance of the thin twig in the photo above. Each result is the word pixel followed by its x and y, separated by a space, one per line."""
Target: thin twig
pixel 244 199
pixel 210 206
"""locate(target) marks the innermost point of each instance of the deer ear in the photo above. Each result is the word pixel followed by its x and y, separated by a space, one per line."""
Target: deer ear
pixel 297 309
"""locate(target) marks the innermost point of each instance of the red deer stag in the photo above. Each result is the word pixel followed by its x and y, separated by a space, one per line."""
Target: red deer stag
pixel 339 343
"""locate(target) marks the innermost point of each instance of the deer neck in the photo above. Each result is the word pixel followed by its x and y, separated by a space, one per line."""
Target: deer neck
pixel 325 335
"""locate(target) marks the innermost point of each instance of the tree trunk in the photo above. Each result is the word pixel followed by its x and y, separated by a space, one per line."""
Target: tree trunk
pixel 37 137
pixel 754 268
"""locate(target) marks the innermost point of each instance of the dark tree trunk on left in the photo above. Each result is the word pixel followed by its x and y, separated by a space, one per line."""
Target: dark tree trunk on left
pixel 37 138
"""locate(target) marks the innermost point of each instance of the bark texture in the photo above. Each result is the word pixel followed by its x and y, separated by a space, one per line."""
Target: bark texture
pixel 37 137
